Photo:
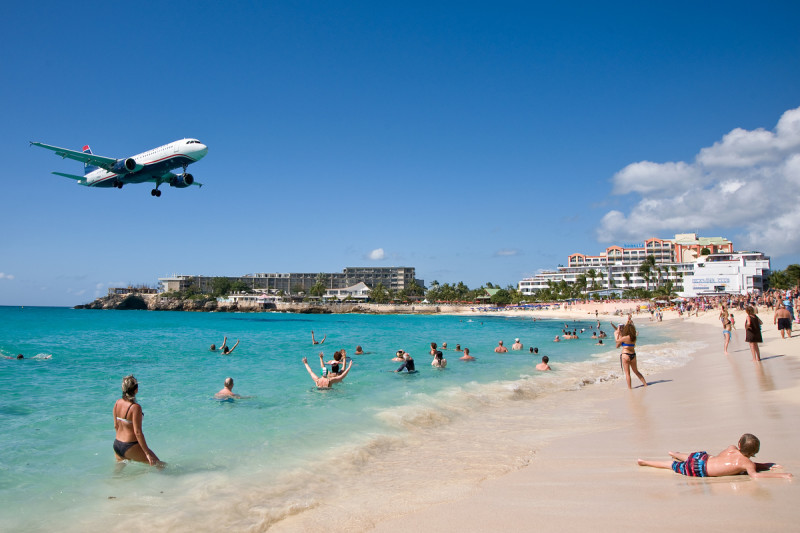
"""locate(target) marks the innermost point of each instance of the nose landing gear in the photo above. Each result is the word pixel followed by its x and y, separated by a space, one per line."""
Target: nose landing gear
pixel 155 192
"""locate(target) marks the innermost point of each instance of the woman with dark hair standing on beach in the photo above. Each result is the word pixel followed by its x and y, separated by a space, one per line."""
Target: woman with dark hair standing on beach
pixel 129 442
pixel 752 327
pixel 626 338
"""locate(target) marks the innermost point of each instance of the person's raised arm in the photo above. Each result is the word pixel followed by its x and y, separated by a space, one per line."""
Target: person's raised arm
pixel 234 347
pixel 341 376
pixel 311 372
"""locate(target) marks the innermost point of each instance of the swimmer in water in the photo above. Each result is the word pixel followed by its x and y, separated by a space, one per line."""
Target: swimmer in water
pixel 227 390
pixel 228 351
pixel 467 356
pixel 500 348
pixel 314 341
pixel 408 363
pixel 325 381
pixel 359 351
pixel 543 366
pixel 438 360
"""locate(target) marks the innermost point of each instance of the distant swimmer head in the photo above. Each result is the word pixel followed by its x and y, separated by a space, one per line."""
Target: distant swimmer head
pixel 20 356
pixel 545 359
pixel 213 347
pixel 516 340
pixel 228 383
pixel 129 388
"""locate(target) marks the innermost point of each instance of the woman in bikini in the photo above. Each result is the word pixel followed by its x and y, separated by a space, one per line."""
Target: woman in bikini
pixel 129 442
pixel 626 338
pixel 726 328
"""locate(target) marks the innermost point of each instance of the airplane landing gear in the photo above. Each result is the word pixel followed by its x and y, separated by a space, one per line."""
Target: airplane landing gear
pixel 155 192
pixel 118 184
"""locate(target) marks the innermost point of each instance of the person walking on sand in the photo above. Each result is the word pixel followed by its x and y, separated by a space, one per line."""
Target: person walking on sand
pixel 783 318
pixel 129 442
pixel 726 330
pixel 626 338
pixel 731 461
pixel 500 348
pixel 752 327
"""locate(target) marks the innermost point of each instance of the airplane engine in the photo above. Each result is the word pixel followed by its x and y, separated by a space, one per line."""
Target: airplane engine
pixel 182 180
pixel 126 166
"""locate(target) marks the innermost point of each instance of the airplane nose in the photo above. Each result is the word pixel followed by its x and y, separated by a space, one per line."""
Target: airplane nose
pixel 202 150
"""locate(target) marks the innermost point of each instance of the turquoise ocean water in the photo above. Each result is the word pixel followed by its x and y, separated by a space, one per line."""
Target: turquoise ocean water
pixel 56 428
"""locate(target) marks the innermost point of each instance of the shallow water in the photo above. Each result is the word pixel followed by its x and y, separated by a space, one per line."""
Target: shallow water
pixel 250 463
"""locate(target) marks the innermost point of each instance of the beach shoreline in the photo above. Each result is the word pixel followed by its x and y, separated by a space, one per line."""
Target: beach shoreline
pixel 588 479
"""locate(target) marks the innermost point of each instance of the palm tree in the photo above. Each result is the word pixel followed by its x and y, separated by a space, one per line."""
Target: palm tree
pixel 627 276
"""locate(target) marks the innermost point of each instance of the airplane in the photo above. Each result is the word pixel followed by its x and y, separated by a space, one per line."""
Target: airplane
pixel 154 165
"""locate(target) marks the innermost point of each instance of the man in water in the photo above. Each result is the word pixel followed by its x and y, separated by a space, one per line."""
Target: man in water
pixel 227 390
pixel 325 381
pixel 517 345
pixel 730 462
pixel 500 348
pixel 543 366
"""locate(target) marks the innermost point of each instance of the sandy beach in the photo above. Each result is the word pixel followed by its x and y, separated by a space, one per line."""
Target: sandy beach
pixel 587 478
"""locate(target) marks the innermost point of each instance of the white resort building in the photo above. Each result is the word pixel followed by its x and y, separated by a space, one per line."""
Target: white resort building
pixel 676 260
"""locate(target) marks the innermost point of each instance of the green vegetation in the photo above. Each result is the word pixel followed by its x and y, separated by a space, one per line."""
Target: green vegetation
pixel 785 279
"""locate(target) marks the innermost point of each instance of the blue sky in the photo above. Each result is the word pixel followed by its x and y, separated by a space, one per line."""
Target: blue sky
pixel 474 141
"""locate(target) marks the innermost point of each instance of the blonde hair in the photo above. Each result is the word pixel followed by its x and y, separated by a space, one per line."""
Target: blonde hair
pixel 129 388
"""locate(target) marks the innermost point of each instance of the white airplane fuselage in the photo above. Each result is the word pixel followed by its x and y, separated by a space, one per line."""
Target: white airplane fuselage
pixel 152 165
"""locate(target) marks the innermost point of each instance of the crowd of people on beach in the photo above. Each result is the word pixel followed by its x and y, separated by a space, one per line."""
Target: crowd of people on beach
pixel 130 443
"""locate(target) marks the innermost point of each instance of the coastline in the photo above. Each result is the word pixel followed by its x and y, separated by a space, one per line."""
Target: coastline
pixel 587 478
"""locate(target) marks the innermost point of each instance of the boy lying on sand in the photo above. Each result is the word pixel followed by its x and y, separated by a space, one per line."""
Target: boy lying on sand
pixel 730 462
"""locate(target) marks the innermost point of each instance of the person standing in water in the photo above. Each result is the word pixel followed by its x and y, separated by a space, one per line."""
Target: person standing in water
pixel 130 442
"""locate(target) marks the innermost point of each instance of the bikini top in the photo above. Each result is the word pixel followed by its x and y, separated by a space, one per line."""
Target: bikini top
pixel 626 344
pixel 125 419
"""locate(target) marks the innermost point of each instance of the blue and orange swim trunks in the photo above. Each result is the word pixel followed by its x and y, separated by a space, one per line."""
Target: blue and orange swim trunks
pixel 693 466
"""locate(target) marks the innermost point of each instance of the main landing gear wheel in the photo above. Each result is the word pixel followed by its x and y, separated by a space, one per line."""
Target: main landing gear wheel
pixel 118 185
pixel 155 192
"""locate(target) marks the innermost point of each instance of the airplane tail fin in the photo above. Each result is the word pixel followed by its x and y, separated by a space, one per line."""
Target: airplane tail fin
pixel 87 167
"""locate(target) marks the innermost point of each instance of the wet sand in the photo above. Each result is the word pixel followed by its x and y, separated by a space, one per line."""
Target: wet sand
pixel 591 482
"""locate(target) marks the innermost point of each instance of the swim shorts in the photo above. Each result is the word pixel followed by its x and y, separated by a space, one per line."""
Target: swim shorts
pixel 784 323
pixel 693 466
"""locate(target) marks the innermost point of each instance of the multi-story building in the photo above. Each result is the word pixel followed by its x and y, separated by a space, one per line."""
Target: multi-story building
pixel 738 272
pixel 394 278
pixel 618 268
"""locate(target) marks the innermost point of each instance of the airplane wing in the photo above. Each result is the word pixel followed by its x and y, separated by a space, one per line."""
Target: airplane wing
pixel 96 160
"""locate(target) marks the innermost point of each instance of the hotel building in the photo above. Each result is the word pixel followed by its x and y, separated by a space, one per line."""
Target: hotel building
pixel 394 278
pixel 676 260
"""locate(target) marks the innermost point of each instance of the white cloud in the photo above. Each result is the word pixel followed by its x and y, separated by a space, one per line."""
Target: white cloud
pixel 748 180
pixel 377 254
pixel 6 276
